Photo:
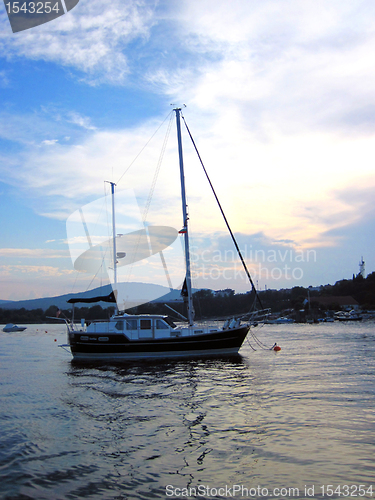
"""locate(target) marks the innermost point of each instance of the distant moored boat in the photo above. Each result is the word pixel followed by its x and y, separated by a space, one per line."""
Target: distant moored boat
pixel 10 327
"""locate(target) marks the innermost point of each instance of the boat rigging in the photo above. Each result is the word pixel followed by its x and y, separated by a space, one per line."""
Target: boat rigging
pixel 148 336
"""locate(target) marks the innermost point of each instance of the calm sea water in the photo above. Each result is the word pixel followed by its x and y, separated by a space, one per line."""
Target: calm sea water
pixel 295 424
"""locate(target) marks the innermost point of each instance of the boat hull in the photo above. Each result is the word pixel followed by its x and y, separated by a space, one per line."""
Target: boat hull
pixel 120 348
pixel 14 328
pixel 359 318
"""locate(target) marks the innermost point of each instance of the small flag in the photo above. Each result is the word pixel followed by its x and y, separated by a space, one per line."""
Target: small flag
pixel 183 231
pixel 184 290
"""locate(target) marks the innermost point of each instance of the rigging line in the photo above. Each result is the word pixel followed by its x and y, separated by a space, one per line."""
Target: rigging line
pixel 166 271
pixel 156 174
pixel 145 146
pixel 223 214
pixel 95 275
pixel 258 341
pixel 102 265
pixel 148 201
pixel 248 341
pixel 85 227
pixel 75 282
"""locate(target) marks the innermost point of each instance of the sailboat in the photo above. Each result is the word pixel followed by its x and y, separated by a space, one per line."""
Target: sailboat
pixel 150 336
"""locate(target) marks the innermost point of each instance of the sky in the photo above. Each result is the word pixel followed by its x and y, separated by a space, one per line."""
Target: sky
pixel 280 99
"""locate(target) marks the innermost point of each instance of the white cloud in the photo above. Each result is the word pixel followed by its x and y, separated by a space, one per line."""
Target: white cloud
pixel 42 271
pixel 82 121
pixel 4 79
pixel 90 38
pixel 50 142
pixel 287 65
pixel 21 281
pixel 33 253
pixel 284 184
pixel 279 100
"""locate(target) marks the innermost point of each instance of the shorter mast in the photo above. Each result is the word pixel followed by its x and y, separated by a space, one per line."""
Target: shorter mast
pixel 190 307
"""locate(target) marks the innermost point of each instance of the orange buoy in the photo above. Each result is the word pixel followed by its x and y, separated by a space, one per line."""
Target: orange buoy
pixel 277 348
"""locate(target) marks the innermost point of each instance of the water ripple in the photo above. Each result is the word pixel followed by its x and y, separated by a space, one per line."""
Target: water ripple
pixel 301 416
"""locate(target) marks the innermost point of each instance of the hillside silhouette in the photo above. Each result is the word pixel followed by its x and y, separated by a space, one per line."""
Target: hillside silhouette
pixel 223 303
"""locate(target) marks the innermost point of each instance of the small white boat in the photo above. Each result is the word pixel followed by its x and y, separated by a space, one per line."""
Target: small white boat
pixel 279 321
pixel 10 327
pixel 348 316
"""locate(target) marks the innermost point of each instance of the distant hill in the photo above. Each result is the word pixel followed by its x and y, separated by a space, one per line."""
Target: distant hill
pixel 141 292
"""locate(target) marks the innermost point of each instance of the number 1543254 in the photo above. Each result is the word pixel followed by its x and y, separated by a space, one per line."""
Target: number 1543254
pixel 32 7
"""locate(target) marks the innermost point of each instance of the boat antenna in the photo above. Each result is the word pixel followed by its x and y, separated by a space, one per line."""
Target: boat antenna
pixel 190 308
pixel 225 219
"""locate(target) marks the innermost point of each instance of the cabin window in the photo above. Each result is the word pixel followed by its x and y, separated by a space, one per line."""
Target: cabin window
pixel 161 325
pixel 145 324
pixel 131 324
pixel 119 325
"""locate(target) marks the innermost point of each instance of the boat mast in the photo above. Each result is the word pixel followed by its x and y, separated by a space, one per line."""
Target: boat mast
pixel 114 238
pixel 190 308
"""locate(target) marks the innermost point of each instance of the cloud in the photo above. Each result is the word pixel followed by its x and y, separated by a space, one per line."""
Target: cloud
pixel 50 142
pixel 4 79
pixel 216 263
pixel 287 185
pixel 28 272
pixel 67 176
pixel 20 281
pixel 288 67
pixel 42 271
pixel 91 39
pixel 34 253
pixel 82 121
pixel 280 98
pixel 42 125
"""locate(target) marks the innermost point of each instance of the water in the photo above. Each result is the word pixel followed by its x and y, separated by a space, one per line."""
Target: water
pixel 269 425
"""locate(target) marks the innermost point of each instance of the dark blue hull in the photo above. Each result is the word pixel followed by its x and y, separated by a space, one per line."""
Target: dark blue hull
pixel 119 347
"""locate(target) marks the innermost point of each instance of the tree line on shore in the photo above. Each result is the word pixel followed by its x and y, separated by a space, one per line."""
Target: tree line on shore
pixel 208 304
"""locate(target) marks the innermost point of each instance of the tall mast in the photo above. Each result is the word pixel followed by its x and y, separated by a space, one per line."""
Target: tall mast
pixel 190 311
pixel 114 234
pixel 114 238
